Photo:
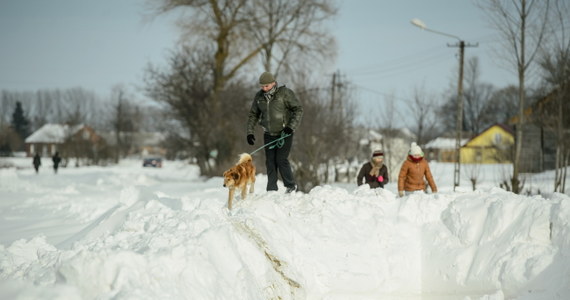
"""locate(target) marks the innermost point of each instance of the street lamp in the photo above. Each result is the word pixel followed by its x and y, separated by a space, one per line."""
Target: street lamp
pixel 459 127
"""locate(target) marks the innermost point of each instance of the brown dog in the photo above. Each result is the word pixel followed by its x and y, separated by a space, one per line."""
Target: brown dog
pixel 239 176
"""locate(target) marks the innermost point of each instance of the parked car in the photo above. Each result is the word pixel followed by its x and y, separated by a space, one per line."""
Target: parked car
pixel 152 162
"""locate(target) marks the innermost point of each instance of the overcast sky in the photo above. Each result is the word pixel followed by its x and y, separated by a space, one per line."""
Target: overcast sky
pixel 384 54
pixel 69 43
pixel 98 44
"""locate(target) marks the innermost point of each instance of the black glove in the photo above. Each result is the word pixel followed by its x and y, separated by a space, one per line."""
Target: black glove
pixel 250 139
pixel 287 130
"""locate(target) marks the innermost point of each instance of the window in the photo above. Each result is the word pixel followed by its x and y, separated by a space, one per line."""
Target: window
pixel 478 155
pixel 85 134
pixel 498 139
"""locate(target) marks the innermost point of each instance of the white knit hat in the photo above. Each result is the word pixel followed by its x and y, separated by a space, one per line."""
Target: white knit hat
pixel 416 150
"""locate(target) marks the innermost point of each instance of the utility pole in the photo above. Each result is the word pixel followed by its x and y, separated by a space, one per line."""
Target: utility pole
pixel 459 125
pixel 335 85
pixel 333 88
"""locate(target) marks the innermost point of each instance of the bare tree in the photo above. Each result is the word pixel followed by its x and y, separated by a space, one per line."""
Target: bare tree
pixel 476 95
pixel 237 31
pixel 210 133
pixel 554 113
pixel 75 105
pixel 522 24
pixel 289 30
pixel 325 135
pixel 84 145
pixel 125 122
pixel 473 173
pixel 185 89
pixel 222 38
pixel 82 106
pixel 388 114
pixel 42 108
pixel 10 141
pixel 422 106
pixel 501 105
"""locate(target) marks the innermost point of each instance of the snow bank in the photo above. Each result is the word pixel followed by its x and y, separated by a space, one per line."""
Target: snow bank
pixel 178 241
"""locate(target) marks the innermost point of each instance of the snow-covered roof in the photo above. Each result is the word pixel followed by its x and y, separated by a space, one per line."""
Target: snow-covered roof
pixel 139 138
pixel 443 143
pixel 151 138
pixel 375 135
pixel 407 132
pixel 53 133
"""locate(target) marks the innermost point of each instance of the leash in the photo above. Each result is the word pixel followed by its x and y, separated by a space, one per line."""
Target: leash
pixel 278 143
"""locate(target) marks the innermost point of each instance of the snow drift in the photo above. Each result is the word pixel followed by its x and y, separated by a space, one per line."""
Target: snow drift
pixel 166 234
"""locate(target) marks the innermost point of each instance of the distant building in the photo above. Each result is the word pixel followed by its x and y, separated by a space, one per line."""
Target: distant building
pixel 139 144
pixel 151 144
pixel 442 149
pixel 492 145
pixel 539 138
pixel 78 141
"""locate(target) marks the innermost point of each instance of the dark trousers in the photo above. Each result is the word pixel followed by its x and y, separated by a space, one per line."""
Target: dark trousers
pixel 277 160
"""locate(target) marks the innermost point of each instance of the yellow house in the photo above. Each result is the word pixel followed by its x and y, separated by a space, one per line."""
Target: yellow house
pixel 492 145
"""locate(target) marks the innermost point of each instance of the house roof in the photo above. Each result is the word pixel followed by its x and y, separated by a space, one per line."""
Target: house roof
pixel 378 135
pixel 139 138
pixel 53 133
pixel 443 143
pixel 506 128
pixel 537 106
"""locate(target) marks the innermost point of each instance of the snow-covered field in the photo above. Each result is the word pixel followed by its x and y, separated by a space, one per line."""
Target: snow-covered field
pixel 127 232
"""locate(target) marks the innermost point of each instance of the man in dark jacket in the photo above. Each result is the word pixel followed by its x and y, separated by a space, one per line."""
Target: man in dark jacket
pixel 56 160
pixel 279 112
pixel 37 162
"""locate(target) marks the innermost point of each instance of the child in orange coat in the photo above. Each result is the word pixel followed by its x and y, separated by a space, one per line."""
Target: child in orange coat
pixel 413 171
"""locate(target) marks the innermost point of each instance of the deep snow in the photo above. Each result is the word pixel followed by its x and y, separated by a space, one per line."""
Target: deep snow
pixel 127 232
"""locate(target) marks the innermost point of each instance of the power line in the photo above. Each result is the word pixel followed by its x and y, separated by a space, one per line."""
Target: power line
pixel 388 95
pixel 401 62
pixel 424 63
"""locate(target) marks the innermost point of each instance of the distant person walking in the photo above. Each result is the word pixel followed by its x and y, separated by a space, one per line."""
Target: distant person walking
pixel 56 160
pixel 374 172
pixel 413 171
pixel 37 162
